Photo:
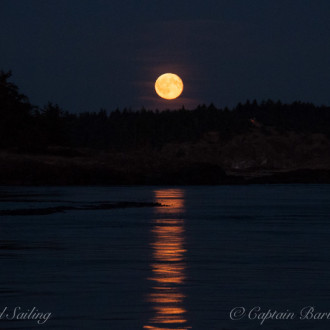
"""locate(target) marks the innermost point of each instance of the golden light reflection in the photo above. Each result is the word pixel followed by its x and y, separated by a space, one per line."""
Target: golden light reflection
pixel 173 199
pixel 168 266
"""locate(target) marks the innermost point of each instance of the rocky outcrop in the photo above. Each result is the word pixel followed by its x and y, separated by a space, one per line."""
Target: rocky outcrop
pixel 262 155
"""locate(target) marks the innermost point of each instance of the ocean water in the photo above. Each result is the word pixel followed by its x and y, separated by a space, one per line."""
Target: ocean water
pixel 225 257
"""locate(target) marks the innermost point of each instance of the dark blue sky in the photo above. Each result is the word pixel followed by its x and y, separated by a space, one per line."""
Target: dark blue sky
pixel 88 54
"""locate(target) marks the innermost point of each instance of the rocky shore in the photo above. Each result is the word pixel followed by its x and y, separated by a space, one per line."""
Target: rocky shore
pixel 257 157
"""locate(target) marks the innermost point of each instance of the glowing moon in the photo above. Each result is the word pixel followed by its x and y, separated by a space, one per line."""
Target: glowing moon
pixel 169 86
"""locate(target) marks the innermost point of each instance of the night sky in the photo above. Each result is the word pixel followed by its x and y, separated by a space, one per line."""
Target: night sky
pixel 88 54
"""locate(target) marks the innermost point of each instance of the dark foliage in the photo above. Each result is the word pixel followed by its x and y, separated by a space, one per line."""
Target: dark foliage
pixel 16 118
pixel 25 127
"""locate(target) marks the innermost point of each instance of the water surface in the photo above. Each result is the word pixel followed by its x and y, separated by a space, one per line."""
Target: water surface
pixel 182 266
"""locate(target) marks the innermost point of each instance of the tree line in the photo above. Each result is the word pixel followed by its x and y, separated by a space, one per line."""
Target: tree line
pixel 25 127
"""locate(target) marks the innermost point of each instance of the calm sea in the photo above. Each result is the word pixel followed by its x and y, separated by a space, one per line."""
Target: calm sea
pixel 212 258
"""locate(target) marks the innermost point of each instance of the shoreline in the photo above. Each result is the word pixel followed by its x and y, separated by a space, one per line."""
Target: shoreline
pixel 120 169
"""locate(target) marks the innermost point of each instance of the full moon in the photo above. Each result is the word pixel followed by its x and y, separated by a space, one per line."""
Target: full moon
pixel 169 86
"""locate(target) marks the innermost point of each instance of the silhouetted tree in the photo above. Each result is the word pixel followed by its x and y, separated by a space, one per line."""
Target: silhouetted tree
pixel 24 126
pixel 16 122
pixel 52 125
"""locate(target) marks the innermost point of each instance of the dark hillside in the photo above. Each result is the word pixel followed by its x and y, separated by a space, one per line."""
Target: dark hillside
pixel 205 145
